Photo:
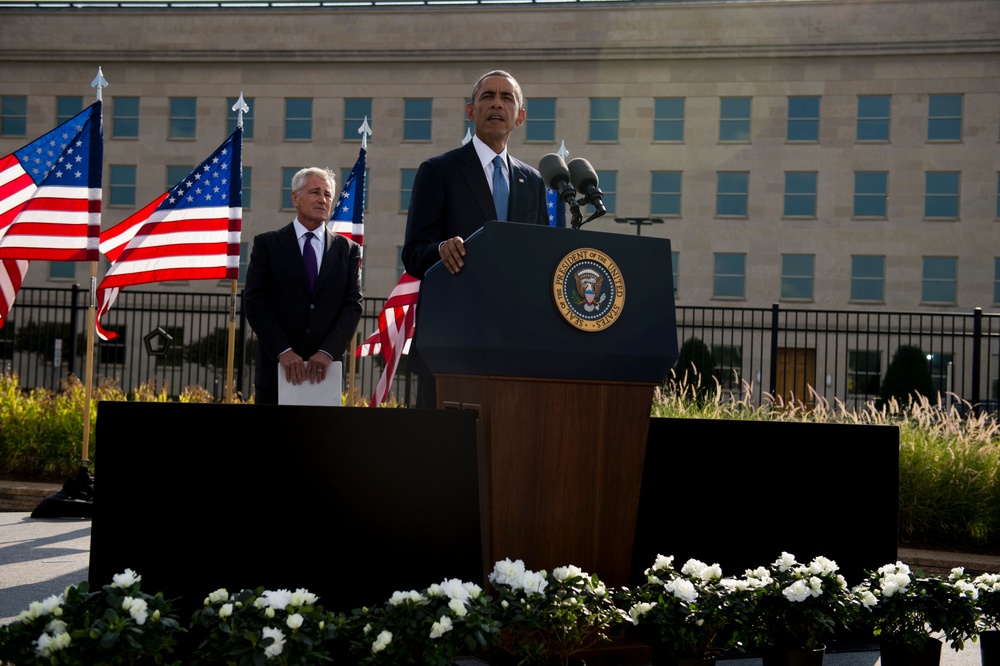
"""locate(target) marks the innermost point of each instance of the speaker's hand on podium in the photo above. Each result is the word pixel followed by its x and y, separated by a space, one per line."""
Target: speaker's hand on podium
pixel 452 252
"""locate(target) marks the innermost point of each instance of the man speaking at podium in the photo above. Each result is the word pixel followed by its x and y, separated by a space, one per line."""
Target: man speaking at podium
pixel 456 193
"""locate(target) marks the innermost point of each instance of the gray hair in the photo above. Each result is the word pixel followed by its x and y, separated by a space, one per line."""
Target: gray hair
pixel 518 95
pixel 299 179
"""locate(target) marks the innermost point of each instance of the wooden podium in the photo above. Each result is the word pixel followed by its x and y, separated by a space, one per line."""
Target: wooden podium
pixel 563 392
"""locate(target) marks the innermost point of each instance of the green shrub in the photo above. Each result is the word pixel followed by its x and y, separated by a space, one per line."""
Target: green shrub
pixel 907 377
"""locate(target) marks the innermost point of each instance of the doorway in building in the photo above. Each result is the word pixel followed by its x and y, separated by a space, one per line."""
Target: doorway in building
pixel 796 374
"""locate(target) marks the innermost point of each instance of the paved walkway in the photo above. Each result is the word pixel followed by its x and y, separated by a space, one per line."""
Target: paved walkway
pixel 40 557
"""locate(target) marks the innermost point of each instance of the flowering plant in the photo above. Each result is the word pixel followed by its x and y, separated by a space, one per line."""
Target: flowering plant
pixel 988 589
pixel 908 607
pixel 695 611
pixel 118 625
pixel 551 618
pixel 253 626
pixel 432 627
pixel 801 605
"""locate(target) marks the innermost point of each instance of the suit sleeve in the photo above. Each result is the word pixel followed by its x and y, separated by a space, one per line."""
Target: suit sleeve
pixel 424 221
pixel 346 321
pixel 259 299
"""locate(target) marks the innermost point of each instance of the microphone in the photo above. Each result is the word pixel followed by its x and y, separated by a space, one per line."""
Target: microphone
pixel 556 175
pixel 585 181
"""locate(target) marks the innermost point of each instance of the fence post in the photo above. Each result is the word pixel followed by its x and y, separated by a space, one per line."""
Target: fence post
pixel 74 321
pixel 977 357
pixel 773 365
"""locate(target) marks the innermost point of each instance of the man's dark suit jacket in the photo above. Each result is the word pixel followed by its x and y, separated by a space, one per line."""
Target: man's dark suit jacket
pixel 451 197
pixel 284 314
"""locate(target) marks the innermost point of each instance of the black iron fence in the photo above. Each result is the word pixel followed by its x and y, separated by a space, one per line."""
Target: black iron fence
pixel 176 340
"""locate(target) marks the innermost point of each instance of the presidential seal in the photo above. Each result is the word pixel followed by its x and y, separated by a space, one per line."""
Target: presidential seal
pixel 588 289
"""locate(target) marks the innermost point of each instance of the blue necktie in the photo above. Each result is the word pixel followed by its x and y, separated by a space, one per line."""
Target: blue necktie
pixel 309 257
pixel 500 192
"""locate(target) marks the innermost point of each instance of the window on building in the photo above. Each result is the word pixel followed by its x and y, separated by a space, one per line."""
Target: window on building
pixel 666 193
pixel 668 119
pixel 939 370
pixel 356 110
pixel 944 118
pixel 175 174
pixel 232 117
pixel 675 268
pixel 67 108
pixel 728 362
pixel 406 177
pixel 873 117
pixel 871 193
pixel 729 275
pixel 62 270
pixel 123 184
pixel 608 182
pixel 734 119
pixel 244 259
pixel 800 193
pixel 797 276
pixel 732 193
pixel 868 278
pixel 941 194
pixel 996 279
pixel 864 372
pixel 940 280
pixel 603 119
pixel 13 115
pixel 344 175
pixel 416 120
pixel 541 120
pixel 298 118
pixel 246 193
pixel 286 187
pixel 803 119
pixel 125 117
pixel 183 117
pixel 470 127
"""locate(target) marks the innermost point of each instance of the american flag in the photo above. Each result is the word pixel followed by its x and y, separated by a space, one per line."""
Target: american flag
pixel 50 200
pixel 395 330
pixel 348 217
pixel 557 209
pixel 190 232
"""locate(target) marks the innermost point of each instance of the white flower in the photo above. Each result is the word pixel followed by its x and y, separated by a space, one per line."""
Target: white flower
pixel 303 597
pixel 47 644
pixel 506 572
pixel 412 595
pixel 137 608
pixel 381 641
pixel 368 627
pixel 52 604
pixel 275 648
pixel 638 611
pixel 126 579
pixel 276 599
pixel 822 565
pixel 457 606
pixel 816 586
pixel 220 594
pixel 785 562
pixel 663 562
pixel 735 584
pixel 894 582
pixel 567 572
pixel 269 613
pixel 868 599
pixel 225 611
pixel 533 582
pixel 56 627
pixel 441 627
pixel 682 589
pixel 966 589
pixel 294 621
pixel 797 591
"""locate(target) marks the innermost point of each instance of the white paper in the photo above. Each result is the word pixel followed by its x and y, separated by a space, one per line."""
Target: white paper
pixel 326 393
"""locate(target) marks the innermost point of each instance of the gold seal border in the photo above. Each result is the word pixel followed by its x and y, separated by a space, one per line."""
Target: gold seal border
pixel 559 279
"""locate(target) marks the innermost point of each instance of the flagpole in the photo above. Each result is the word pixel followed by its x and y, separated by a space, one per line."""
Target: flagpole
pixel 352 365
pixel 240 107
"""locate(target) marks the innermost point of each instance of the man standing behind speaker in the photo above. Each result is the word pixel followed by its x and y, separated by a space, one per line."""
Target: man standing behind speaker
pixel 303 290
pixel 456 193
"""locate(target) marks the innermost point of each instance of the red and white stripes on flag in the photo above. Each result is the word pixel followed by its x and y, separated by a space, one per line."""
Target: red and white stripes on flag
pixel 191 232
pixel 50 200
pixel 395 329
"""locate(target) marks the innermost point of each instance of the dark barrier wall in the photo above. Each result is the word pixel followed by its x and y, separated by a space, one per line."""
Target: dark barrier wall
pixel 738 493
pixel 349 503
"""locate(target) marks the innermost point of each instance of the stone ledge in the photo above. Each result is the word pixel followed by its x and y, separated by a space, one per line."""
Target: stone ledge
pixel 24 495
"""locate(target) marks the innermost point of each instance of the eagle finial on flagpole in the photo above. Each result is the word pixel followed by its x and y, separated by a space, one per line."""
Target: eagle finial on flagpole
pixel 563 153
pixel 468 136
pixel 365 131
pixel 99 82
pixel 240 108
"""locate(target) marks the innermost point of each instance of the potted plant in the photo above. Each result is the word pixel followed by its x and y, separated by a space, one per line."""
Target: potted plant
pixel 694 614
pixel 120 624
pixel 800 606
pixel 908 611
pixel 257 625
pixel 433 626
pixel 544 620
pixel 988 589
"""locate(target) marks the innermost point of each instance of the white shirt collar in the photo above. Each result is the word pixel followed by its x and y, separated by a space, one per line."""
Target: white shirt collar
pixel 300 230
pixel 486 153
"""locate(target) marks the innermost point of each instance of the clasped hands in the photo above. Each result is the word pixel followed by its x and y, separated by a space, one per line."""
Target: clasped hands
pixel 298 371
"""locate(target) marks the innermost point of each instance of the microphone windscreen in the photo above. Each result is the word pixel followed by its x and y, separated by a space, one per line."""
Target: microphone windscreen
pixel 553 168
pixel 582 173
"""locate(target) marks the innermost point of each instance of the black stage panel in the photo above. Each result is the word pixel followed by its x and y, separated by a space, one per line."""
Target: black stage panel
pixel 740 492
pixel 349 503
